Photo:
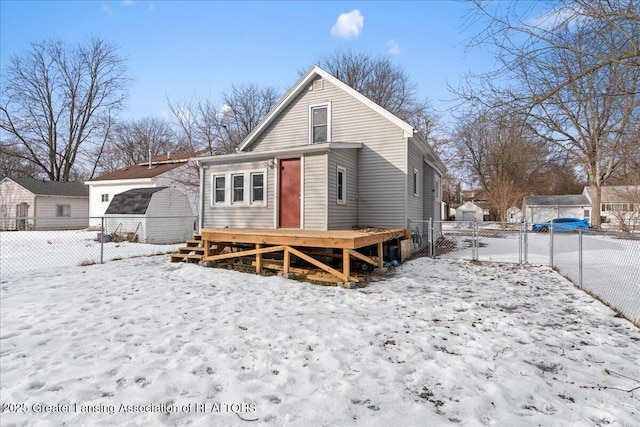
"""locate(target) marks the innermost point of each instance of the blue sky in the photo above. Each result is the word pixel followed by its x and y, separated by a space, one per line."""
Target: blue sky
pixel 181 49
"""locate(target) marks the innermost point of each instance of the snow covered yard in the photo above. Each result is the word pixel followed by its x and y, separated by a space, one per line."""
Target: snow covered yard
pixel 441 342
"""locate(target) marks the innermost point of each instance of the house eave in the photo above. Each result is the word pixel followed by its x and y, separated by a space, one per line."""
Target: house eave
pixel 276 154
pixel 121 181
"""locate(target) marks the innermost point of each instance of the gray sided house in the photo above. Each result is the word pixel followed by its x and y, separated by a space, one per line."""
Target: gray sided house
pixel 157 215
pixel 324 158
pixel 33 204
pixel 538 209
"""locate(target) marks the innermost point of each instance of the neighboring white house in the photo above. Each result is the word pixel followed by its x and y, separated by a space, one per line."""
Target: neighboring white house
pixel 171 170
pixel 324 158
pixel 469 211
pixel 618 203
pixel 150 215
pixel 538 209
pixel 32 204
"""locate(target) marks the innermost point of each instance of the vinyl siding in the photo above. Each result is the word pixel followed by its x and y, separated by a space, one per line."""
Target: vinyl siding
pixel 382 162
pixel 169 202
pixel 46 210
pixel 415 204
pixel 315 192
pixel 343 216
pixel 237 215
pixel 12 194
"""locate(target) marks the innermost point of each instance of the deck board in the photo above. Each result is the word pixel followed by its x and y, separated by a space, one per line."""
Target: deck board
pixel 337 239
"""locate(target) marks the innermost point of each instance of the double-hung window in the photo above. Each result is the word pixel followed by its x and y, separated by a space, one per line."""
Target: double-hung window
pixel 320 123
pixel 63 210
pixel 238 188
pixel 257 187
pixel 341 185
pixel 219 189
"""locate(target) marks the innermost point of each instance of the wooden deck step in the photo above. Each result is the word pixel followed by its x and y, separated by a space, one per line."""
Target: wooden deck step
pixel 191 258
pixel 188 249
pixel 192 252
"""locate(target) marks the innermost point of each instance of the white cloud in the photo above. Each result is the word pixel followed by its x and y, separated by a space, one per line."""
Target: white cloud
pixel 127 2
pixel 348 25
pixel 152 7
pixel 394 47
pixel 223 111
pixel 106 9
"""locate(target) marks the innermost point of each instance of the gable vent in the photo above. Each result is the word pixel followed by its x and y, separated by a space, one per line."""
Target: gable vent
pixel 318 84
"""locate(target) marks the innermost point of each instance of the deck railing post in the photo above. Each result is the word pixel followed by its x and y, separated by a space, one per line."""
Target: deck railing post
pixel 526 242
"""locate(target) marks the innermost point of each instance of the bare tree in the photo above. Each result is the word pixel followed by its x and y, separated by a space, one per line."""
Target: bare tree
pixel 220 130
pixel 380 80
pixel 501 154
pixel 56 99
pixel 576 72
pixel 12 164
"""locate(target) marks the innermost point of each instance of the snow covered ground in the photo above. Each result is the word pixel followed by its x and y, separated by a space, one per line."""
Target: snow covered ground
pixel 440 342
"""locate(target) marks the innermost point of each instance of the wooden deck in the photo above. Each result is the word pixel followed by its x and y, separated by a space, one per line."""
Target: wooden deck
pixel 220 244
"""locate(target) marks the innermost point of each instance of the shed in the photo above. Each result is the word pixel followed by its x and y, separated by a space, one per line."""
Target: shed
pixel 469 211
pixel 158 215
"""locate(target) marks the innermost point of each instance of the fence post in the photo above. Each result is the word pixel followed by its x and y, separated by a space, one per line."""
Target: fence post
pixel 551 245
pixel 430 237
pixel 526 242
pixel 101 240
pixel 580 258
pixel 474 251
pixel 520 244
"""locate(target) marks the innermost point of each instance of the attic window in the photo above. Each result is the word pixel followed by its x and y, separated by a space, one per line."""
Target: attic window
pixel 319 123
pixel 318 84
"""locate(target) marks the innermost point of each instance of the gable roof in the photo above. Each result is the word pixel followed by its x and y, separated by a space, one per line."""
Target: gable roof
pixel 302 84
pixel 134 201
pixel 159 165
pixel 52 188
pixel 557 200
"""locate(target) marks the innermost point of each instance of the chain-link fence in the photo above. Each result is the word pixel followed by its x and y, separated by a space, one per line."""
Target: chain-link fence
pixel 604 264
pixel 30 246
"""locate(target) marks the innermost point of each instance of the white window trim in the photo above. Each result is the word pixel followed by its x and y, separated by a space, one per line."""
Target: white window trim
pixel 233 189
pixel 311 108
pixel 102 197
pixel 342 169
pixel 262 202
pixel 215 202
pixel 63 209
pixel 415 182
pixel 438 189
pixel 228 189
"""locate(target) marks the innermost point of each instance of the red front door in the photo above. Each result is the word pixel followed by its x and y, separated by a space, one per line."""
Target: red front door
pixel 289 193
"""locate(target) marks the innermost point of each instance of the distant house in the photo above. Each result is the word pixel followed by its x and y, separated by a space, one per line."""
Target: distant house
pixel 514 215
pixel 32 204
pixel 150 215
pixel 544 208
pixel 170 170
pixel 324 158
pixel 617 202
pixel 469 211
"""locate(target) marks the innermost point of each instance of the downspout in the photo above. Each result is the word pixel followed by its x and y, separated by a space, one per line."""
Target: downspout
pixel 201 213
